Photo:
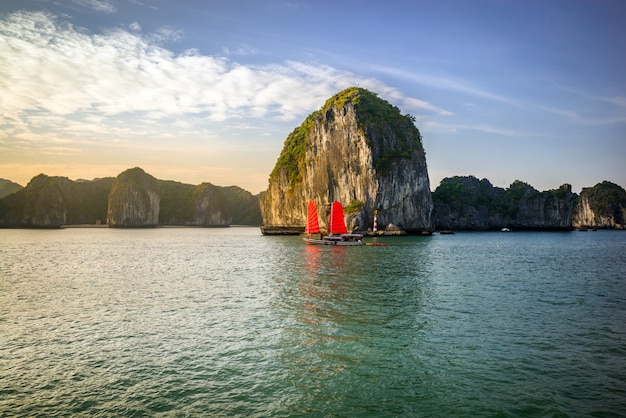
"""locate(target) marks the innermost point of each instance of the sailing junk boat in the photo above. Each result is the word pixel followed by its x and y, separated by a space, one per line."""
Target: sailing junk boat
pixel 337 231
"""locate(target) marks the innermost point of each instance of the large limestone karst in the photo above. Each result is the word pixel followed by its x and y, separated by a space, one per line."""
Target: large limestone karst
pixel 133 201
pixel 357 149
pixel 601 206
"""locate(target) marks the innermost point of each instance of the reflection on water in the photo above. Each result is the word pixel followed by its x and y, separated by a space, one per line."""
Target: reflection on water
pixel 353 314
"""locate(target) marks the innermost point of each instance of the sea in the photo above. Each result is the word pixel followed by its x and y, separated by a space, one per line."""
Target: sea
pixel 200 322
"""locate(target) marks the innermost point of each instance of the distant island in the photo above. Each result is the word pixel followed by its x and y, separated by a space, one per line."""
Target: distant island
pixel 460 203
pixel 358 149
pixel 133 199
pixel 466 203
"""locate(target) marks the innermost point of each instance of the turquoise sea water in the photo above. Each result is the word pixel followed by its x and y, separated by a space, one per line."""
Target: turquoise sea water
pixel 227 322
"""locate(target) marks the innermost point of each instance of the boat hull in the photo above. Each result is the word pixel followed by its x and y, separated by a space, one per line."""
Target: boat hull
pixel 339 242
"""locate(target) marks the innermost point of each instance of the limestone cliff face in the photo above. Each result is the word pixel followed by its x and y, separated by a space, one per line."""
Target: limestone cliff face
pixel 208 208
pixel 41 204
pixel 532 209
pixel 468 203
pixel 133 201
pixel 601 206
pixel 50 202
pixel 49 208
pixel 358 149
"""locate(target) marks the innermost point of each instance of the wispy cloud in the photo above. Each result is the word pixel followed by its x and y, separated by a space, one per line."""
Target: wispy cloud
pixel 241 50
pixel 48 65
pixel 616 114
pixel 585 119
pixel 447 83
pixel 601 109
pixel 495 130
pixel 97 5
pixel 482 127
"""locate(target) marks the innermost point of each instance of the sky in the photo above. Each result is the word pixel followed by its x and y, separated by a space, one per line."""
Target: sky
pixel 208 90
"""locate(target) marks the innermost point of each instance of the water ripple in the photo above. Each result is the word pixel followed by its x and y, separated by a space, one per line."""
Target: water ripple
pixel 202 322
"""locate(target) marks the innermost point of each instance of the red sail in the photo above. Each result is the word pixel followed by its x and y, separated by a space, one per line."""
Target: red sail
pixel 337 224
pixel 312 224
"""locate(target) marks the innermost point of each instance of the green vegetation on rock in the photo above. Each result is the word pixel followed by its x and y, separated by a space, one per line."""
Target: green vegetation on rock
pixel 54 201
pixel 291 159
pixel 176 202
pixel 7 187
pixel 376 118
pixel 353 206
pixel 242 206
pixel 134 177
pixel 605 198
pixel 459 193
pixel 466 202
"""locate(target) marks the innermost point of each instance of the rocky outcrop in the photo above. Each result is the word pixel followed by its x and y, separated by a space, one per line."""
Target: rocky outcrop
pixel 241 206
pixel 531 209
pixel 40 204
pixel 208 206
pixel 7 187
pixel 133 201
pixel 466 203
pixel 50 202
pixel 601 206
pixel 357 149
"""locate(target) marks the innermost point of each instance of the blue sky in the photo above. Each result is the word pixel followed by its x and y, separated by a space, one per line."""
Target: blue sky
pixel 207 91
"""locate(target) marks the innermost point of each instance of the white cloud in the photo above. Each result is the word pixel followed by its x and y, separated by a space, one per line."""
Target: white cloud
pixel 49 65
pixel 135 27
pixel 120 95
